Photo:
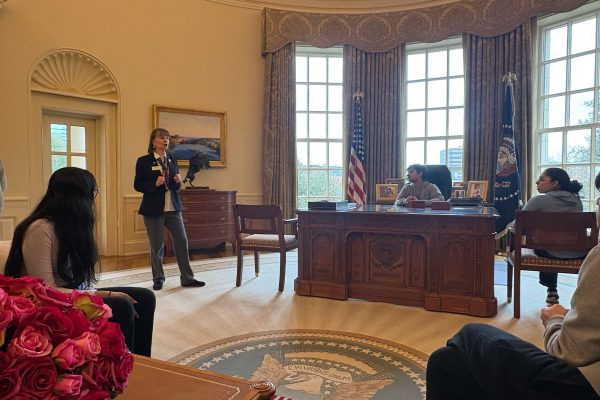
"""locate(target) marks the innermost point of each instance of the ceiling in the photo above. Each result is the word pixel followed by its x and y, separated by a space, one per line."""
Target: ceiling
pixel 336 6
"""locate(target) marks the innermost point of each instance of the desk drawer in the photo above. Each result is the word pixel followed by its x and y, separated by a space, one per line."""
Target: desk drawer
pixel 193 208
pixel 202 219
pixel 210 231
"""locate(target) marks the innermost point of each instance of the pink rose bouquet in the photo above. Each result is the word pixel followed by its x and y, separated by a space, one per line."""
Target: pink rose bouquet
pixel 55 345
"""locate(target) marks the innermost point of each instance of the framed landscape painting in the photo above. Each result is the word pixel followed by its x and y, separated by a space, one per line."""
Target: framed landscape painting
pixel 193 132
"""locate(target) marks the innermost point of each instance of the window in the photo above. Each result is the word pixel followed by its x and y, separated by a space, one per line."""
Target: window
pixel 434 105
pixel 319 124
pixel 69 142
pixel 567 133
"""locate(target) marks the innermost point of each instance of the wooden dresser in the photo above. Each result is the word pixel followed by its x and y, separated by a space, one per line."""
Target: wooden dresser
pixel 208 218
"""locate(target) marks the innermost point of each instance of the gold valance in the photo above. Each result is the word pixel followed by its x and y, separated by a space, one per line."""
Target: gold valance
pixel 384 31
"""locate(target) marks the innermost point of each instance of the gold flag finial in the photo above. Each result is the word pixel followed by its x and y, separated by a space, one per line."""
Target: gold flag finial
pixel 510 78
pixel 357 95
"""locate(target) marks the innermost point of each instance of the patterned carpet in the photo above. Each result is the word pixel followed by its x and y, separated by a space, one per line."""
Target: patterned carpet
pixel 313 364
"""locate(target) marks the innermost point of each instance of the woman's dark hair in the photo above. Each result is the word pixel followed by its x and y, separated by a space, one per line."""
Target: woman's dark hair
pixel 156 132
pixel 597 181
pixel 69 204
pixel 564 181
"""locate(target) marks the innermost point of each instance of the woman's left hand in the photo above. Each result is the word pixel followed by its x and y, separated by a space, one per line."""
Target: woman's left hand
pixel 177 178
pixel 120 294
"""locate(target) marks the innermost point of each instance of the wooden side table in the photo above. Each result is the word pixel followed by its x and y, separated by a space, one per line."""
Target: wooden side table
pixel 208 219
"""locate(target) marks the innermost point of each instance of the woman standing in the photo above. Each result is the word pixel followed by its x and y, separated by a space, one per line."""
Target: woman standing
pixel 157 177
pixel 558 194
pixel 57 243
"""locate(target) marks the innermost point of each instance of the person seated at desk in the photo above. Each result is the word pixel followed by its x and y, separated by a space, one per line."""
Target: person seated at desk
pixel 418 187
pixel 558 194
pixel 484 362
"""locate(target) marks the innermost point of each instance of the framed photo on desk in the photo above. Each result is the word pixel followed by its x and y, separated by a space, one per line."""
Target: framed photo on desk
pixel 477 189
pixel 386 193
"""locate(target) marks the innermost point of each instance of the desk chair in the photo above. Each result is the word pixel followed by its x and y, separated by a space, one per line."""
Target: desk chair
pixel 261 228
pixel 440 176
pixel 574 231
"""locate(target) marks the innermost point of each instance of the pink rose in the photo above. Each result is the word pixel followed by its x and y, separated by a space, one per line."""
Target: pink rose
pixel 38 376
pixel 96 374
pixel 10 383
pixel 3 298
pixel 52 297
pixel 21 306
pixel 26 286
pixel 90 394
pixel 57 324
pixel 68 355
pixel 122 369
pixel 89 343
pixel 30 343
pixel 6 319
pixel 92 306
pixel 68 385
pixel 112 341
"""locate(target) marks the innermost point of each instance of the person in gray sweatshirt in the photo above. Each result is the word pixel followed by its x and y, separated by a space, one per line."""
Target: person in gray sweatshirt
pixel 484 362
pixel 558 194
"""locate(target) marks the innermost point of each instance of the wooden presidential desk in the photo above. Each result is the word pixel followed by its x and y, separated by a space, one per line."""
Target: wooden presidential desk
pixel 154 379
pixel 439 260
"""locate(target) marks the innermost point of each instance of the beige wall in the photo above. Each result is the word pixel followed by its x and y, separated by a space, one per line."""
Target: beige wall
pixel 180 53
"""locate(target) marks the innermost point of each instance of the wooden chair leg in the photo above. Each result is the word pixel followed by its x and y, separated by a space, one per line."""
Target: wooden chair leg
pixel 240 265
pixel 509 281
pixel 517 296
pixel 256 266
pixel 282 271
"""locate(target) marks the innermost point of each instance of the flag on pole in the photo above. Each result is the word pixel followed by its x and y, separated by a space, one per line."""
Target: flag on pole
pixel 357 185
pixel 508 181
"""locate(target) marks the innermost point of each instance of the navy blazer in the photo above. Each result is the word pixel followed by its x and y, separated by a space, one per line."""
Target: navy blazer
pixel 147 170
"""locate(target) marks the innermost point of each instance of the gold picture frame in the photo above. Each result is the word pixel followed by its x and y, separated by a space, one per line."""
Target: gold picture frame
pixel 477 189
pixel 194 131
pixel 386 192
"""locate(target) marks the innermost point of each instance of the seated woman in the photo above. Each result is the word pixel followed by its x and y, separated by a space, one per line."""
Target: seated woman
pixel 558 194
pixel 57 243
pixel 418 187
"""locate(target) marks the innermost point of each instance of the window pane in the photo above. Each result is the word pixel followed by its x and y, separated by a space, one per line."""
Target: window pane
pixel 336 70
pixel 555 77
pixel 415 68
pixel 436 93
pixel 415 95
pixel 597 149
pixel 436 152
pixel 335 182
pixel 555 45
pixel 415 124
pixel 318 154
pixel 437 64
pixel 58 162
pixel 583 36
pixel 455 147
pixel 581 108
pixel 317 126
pixel 456 121
pixel 336 154
pixel 551 148
pixel 317 183
pixel 302 154
pixel 58 138
pixel 335 98
pixel 457 92
pixel 78 139
pixel 301 69
pixel 302 182
pixel 301 97
pixel 582 71
pixel 317 69
pixel 456 62
pixel 579 146
pixel 436 123
pixel 336 126
pixel 301 126
pixel 415 152
pixel 554 112
pixel 581 174
pixel 317 99
pixel 78 161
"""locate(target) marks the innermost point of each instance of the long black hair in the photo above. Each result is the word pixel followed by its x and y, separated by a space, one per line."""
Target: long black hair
pixel 69 205
pixel 564 181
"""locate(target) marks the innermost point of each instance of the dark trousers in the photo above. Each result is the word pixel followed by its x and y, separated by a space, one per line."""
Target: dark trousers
pixel 483 362
pixel 136 320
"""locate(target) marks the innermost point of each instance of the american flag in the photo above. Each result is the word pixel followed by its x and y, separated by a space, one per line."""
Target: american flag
pixel 357 184
pixel 508 181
